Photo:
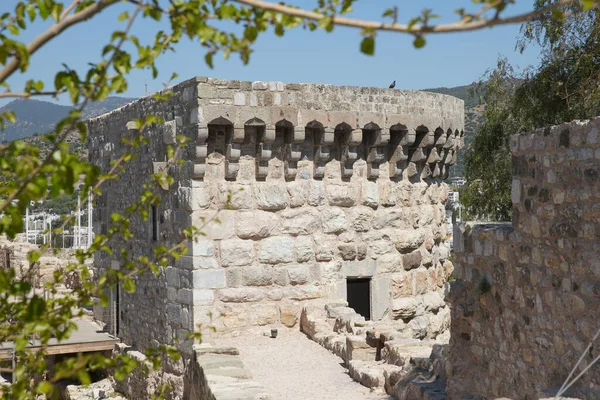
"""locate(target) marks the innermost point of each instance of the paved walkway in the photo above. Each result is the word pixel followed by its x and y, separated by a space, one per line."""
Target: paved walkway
pixel 293 367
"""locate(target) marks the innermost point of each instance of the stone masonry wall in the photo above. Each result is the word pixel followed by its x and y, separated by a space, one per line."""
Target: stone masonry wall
pixel 526 298
pixel 155 313
pixel 296 187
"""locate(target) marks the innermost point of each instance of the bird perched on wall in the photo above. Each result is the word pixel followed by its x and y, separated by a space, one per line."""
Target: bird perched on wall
pixel 393 85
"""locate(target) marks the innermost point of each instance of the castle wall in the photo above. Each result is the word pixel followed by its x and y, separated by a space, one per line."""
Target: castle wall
pixel 296 188
pixel 526 298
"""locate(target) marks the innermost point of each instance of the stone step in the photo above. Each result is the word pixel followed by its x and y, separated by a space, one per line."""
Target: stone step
pixel 371 374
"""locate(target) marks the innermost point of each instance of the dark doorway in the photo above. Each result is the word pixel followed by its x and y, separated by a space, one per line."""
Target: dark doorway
pixel 359 296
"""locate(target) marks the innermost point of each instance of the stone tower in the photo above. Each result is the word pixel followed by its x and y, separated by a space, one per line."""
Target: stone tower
pixel 321 192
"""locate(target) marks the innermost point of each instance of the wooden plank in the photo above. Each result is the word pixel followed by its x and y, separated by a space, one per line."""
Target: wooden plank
pixel 70 348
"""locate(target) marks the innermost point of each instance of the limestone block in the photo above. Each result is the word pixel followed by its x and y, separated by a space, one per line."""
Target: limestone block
pixel 334 220
pixel 361 218
pixel 433 301
pixel 257 276
pixel 215 225
pixel 263 314
pixel 408 240
pixel 404 308
pixel 288 315
pixel 392 218
pixel 316 193
pixel 277 249
pixel 390 262
pixel 280 276
pixel 201 247
pixel 193 198
pixel 303 292
pixel 325 248
pixel 387 193
pixel 271 196
pixel 231 315
pixel 241 295
pixel 369 194
pixel 257 224
pixel 199 262
pixel 301 221
pixel 298 193
pixel 298 274
pixel 304 248
pixel 411 260
pixel 419 327
pixel 347 251
pixel 236 252
pixel 209 278
pixel 172 275
pixel 401 285
pixel 241 196
pixel 202 296
pixel 342 194
pixel 358 349
pixel 357 269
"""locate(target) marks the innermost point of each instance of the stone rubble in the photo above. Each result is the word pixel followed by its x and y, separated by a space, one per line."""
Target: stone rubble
pixel 383 355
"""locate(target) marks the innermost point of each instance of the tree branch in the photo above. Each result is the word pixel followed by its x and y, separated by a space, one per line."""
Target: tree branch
pixel 54 31
pixel 63 135
pixel 460 26
pixel 26 95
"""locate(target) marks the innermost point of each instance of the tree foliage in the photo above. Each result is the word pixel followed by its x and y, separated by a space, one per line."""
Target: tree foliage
pixel 563 87
pixel 26 174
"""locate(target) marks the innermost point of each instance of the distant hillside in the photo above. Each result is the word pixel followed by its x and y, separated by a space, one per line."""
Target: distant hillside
pixel 39 117
pixel 462 92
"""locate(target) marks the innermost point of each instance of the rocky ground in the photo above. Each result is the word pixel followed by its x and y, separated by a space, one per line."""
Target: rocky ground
pixel 292 366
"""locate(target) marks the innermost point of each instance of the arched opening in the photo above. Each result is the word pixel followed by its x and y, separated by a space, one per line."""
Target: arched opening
pixel 220 131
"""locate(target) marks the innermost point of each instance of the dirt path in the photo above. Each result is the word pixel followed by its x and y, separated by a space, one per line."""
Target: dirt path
pixel 294 367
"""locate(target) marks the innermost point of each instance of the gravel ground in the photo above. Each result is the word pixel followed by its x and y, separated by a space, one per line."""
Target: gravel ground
pixel 292 367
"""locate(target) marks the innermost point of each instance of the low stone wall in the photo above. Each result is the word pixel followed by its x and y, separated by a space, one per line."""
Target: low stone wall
pixel 526 298
pixel 219 374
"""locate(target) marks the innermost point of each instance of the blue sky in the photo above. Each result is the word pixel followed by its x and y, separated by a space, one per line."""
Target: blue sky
pixel 303 56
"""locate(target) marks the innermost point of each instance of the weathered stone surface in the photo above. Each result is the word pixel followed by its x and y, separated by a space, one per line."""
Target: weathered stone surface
pixel 257 276
pixel 405 308
pixel 342 194
pixel 531 276
pixel 277 250
pixel 289 315
pixel 236 252
pixel 334 220
pixel 302 221
pixel 408 240
pixel 390 262
pixel 271 196
pixel 298 274
pixel 411 260
pixel 257 224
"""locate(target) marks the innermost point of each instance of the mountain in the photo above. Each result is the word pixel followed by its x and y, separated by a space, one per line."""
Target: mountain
pixel 39 117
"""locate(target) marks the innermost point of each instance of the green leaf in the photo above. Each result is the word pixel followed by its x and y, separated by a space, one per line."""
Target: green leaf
pixel 209 59
pixel 35 309
pixel 367 46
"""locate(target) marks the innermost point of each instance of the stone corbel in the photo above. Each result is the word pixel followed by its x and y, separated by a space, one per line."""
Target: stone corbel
pixel 264 152
pixel 234 152
pixel 349 151
pixel 323 142
pixel 376 152
pixel 201 152
pixel 293 152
